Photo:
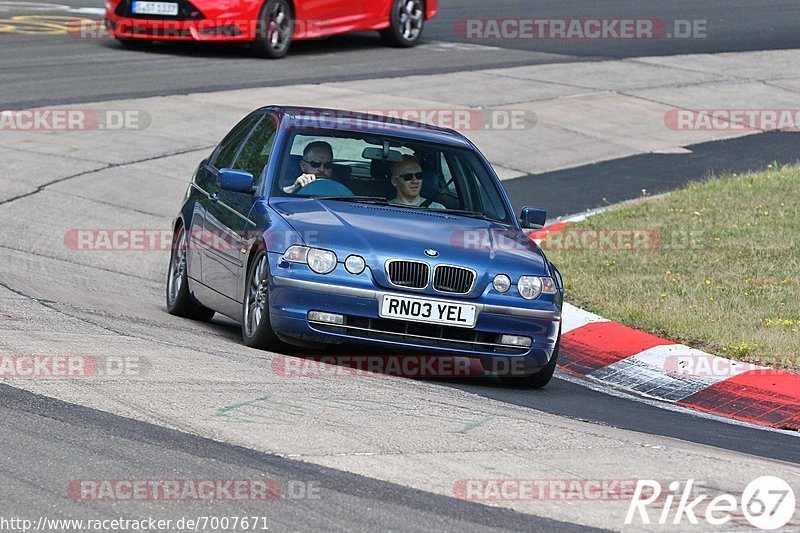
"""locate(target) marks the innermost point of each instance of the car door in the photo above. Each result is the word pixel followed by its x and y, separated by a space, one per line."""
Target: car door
pixel 322 17
pixel 227 223
pixel 205 183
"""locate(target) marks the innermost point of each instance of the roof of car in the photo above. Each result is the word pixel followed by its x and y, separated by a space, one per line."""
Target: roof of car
pixel 390 122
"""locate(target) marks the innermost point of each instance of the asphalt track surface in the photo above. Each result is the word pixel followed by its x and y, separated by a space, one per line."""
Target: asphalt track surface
pixel 95 440
pixel 47 442
pixel 94 70
pixel 623 179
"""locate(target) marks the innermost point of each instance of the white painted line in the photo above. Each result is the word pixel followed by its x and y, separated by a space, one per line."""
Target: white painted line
pixel 447 46
pixel 42 6
pixel 88 10
pixel 659 372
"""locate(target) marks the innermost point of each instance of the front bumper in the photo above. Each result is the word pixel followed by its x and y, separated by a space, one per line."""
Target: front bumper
pixel 293 296
pixel 180 30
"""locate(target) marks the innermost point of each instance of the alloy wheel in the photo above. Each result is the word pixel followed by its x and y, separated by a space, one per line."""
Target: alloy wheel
pixel 177 268
pixel 257 297
pixel 410 19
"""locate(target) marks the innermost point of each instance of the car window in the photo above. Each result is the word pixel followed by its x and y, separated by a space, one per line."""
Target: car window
pixel 482 199
pixel 450 178
pixel 223 158
pixel 344 149
pixel 255 152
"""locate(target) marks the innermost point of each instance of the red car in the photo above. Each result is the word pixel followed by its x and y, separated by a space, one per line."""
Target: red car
pixel 269 25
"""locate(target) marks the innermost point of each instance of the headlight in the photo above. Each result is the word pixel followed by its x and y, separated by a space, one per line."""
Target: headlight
pixel 354 264
pixel 530 287
pixel 296 254
pixel 321 261
pixel 501 283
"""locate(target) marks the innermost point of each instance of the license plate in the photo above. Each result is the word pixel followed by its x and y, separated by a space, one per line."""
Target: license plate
pixel 155 8
pixel 431 311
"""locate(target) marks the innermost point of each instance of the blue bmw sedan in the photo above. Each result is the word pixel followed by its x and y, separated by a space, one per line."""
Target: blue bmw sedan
pixel 316 227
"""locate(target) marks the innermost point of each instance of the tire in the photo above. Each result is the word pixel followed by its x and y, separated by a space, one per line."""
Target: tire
pixel 180 302
pixel 257 330
pixel 275 30
pixel 406 22
pixel 539 379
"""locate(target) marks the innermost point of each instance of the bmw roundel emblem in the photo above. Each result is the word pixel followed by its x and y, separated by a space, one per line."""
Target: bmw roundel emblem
pixel 430 252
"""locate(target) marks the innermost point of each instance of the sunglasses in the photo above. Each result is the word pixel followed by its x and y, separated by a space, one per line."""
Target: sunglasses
pixel 316 164
pixel 410 176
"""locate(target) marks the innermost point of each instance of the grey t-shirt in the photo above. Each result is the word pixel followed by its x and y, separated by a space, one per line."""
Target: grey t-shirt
pixel 419 202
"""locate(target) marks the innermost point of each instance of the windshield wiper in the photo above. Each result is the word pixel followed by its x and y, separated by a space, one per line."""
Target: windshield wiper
pixel 465 213
pixel 358 199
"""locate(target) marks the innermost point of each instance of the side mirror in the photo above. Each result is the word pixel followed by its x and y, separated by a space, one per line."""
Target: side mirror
pixel 533 217
pixel 236 180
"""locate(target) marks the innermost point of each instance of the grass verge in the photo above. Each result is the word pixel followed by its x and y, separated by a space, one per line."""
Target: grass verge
pixel 715 265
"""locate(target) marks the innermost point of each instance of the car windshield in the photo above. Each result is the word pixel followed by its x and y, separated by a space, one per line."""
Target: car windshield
pixel 362 167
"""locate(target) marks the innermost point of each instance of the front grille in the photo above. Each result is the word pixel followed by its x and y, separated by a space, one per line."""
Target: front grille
pixel 432 335
pixel 408 274
pixel 453 279
pixel 155 32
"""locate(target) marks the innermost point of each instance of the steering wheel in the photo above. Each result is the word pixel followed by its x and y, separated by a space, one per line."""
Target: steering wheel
pixel 325 187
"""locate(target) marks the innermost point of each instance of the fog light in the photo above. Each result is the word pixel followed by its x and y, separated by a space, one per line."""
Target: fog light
pixel 515 340
pixel 354 264
pixel 328 318
pixel 502 283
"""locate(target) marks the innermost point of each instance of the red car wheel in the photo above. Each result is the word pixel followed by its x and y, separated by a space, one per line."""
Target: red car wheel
pixel 406 22
pixel 275 30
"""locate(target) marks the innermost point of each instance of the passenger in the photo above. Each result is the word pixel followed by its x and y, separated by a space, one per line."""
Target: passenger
pixel 317 162
pixel 406 177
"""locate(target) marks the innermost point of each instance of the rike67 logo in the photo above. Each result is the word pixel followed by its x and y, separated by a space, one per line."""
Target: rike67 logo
pixel 767 503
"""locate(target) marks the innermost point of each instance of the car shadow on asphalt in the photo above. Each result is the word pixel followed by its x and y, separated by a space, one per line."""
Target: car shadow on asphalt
pixel 564 396
pixel 355 42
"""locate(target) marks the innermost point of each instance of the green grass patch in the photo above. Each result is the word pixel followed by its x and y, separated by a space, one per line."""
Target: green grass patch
pixel 715 265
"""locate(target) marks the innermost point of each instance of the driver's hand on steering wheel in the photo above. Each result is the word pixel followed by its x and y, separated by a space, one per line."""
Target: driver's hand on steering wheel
pixel 300 182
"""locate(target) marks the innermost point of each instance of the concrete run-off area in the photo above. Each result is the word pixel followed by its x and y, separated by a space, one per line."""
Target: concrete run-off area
pixel 201 380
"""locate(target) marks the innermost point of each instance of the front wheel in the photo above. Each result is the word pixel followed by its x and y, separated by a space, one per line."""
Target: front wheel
pixel 180 301
pixel 275 31
pixel 406 22
pixel 257 330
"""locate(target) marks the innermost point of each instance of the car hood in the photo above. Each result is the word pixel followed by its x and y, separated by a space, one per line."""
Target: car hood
pixel 380 232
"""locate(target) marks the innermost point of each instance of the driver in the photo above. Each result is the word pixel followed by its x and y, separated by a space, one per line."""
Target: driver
pixel 317 162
